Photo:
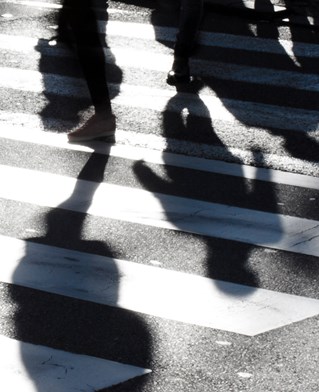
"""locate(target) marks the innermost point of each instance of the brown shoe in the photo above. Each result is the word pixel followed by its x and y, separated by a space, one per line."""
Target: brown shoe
pixel 96 127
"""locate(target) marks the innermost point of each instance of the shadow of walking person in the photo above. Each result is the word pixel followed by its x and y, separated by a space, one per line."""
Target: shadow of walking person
pixel 298 93
pixel 186 112
pixel 186 117
pixel 250 102
pixel 66 287
pixel 80 317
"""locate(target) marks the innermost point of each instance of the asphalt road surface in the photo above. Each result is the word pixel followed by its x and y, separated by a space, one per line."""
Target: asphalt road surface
pixel 184 257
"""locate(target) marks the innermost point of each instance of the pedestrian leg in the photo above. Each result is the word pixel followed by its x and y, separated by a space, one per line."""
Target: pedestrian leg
pixel 189 22
pixel 90 50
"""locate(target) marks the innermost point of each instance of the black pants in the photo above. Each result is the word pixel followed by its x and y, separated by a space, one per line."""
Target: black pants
pixel 79 17
pixel 189 20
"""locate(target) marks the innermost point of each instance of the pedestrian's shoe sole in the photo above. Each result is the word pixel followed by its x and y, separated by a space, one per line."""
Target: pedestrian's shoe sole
pixel 105 136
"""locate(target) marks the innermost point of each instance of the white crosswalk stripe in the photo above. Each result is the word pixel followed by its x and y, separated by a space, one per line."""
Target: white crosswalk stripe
pixel 155 209
pixel 93 278
pixel 64 370
pixel 126 57
pixel 270 209
pixel 258 115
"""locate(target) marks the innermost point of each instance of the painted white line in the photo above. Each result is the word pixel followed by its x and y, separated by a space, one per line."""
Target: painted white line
pixel 265 76
pixel 36 82
pixel 151 290
pixel 149 32
pixel 58 6
pixel 159 210
pixel 252 4
pixel 28 128
pixel 257 75
pixel 232 111
pixel 209 106
pixel 36 46
pixel 140 59
pixel 37 4
pixel 32 368
pixel 18 43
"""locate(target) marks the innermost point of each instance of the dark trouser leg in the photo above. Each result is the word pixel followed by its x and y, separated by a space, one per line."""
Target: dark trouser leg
pixel 90 50
pixel 190 17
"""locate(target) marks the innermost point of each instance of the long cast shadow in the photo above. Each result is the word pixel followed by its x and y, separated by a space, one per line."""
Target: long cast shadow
pixel 64 322
pixel 59 321
pixel 258 194
pixel 185 116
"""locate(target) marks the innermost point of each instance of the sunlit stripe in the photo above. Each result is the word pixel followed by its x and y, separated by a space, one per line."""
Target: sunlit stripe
pixel 231 41
pixel 22 44
pixel 58 6
pixel 227 71
pixel 34 81
pixel 151 290
pixel 149 32
pixel 264 45
pixel 28 128
pixel 37 4
pixel 159 210
pixel 159 62
pixel 32 368
pixel 248 113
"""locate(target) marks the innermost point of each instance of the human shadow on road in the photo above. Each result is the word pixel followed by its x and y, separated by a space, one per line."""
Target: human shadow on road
pixel 259 195
pixel 75 323
pixel 80 324
pixel 304 144
pixel 186 115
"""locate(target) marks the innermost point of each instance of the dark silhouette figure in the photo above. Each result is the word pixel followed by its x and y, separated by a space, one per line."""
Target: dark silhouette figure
pixel 189 20
pixel 198 128
pixel 185 115
pixel 67 323
pixel 58 321
pixel 79 29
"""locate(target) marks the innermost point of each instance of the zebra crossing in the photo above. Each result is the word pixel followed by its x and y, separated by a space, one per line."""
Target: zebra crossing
pixel 201 220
